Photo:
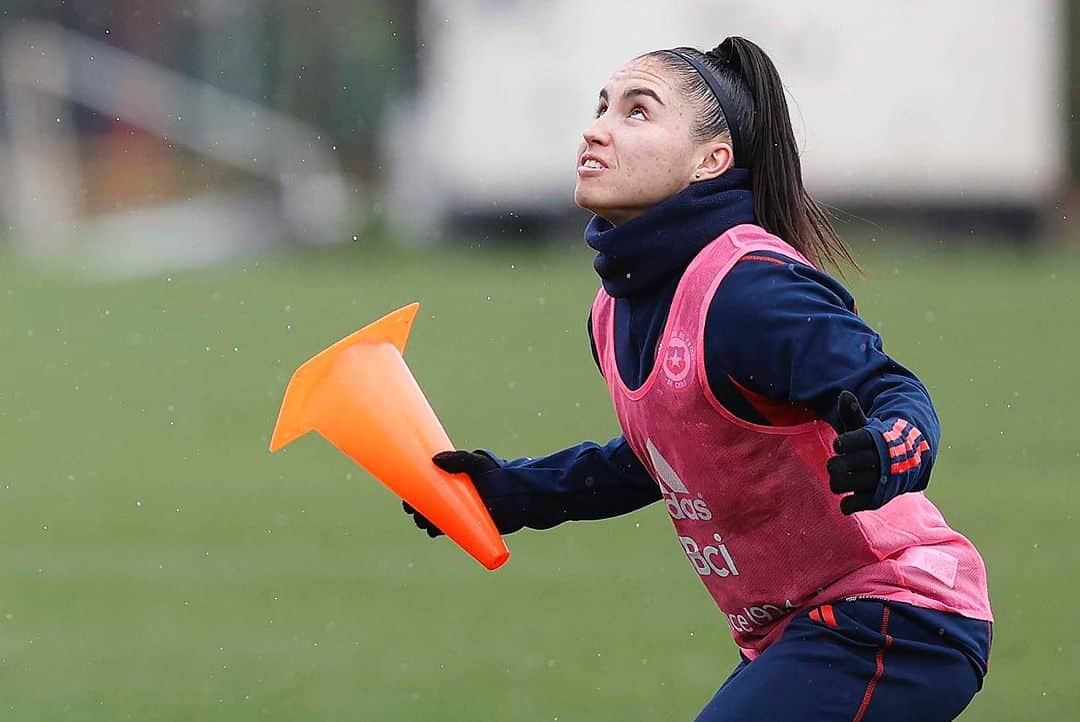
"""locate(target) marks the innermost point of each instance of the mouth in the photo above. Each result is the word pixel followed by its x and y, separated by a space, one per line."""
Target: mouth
pixel 590 166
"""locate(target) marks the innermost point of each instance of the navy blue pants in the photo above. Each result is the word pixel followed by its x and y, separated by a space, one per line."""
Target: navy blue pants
pixel 863 661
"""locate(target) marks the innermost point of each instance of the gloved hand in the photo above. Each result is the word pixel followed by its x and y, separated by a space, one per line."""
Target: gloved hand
pixel 472 463
pixel 857 465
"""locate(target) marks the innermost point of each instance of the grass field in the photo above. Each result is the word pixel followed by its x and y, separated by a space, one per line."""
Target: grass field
pixel 157 563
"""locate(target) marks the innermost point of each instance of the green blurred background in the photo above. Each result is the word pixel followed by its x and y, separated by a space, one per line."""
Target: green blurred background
pixel 157 563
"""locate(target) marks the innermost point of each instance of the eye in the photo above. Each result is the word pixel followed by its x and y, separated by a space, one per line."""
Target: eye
pixel 639 109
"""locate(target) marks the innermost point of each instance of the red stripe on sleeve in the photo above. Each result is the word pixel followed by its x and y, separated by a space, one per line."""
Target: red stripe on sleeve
pixel 901 466
pixel 897 429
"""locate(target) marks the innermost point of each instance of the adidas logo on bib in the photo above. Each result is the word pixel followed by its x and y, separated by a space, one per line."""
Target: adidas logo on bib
pixel 671 487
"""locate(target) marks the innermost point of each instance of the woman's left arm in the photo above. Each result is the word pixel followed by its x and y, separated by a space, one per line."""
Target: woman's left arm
pixel 790 333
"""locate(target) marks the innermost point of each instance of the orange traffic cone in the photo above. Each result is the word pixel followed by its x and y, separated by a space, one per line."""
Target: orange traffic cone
pixel 361 397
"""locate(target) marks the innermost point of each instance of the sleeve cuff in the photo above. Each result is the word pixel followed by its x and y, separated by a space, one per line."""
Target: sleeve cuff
pixel 905 457
pixel 885 489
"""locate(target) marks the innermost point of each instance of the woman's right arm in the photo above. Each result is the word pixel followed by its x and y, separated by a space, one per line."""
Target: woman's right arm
pixel 584 482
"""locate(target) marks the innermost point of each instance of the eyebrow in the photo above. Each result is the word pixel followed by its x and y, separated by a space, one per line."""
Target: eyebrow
pixel 634 92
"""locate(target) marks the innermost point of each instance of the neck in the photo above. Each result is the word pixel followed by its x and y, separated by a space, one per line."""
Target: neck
pixel 650 247
pixel 617 218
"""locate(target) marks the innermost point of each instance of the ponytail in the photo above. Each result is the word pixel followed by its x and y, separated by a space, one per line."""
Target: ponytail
pixel 755 97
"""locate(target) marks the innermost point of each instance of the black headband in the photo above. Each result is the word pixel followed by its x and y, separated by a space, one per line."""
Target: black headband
pixel 742 157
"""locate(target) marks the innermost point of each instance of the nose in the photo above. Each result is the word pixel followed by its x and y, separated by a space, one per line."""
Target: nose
pixel 596 133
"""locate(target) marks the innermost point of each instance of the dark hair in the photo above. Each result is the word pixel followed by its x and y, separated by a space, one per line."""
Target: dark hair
pixel 756 94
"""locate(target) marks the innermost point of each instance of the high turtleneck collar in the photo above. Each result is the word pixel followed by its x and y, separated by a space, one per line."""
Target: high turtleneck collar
pixel 662 241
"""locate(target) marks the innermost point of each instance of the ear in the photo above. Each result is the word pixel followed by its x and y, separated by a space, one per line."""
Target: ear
pixel 716 158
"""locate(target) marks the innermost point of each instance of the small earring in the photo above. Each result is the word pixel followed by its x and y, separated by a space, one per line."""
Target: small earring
pixel 697 175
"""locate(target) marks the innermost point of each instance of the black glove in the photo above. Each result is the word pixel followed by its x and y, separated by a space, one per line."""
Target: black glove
pixel 472 463
pixel 857 465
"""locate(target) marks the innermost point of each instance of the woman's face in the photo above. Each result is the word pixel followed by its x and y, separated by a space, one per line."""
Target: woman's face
pixel 639 149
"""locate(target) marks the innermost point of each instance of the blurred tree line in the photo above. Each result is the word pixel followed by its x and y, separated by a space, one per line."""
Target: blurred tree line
pixel 333 63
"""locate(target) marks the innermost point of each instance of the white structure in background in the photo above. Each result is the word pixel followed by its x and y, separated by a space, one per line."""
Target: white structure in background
pixel 45 68
pixel 893 102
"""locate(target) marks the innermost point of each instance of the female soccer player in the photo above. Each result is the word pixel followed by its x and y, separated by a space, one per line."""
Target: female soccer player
pixel 740 372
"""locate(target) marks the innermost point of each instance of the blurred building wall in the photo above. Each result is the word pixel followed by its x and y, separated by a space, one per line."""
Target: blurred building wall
pixel 893 102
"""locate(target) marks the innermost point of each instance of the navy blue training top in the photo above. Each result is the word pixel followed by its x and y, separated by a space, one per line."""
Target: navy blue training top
pixel 782 340
pixel 782 331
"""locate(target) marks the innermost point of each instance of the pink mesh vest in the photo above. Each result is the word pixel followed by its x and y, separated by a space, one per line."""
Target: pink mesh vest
pixel 751 504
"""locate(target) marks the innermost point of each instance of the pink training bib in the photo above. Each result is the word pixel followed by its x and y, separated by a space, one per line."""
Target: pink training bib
pixel 751 504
